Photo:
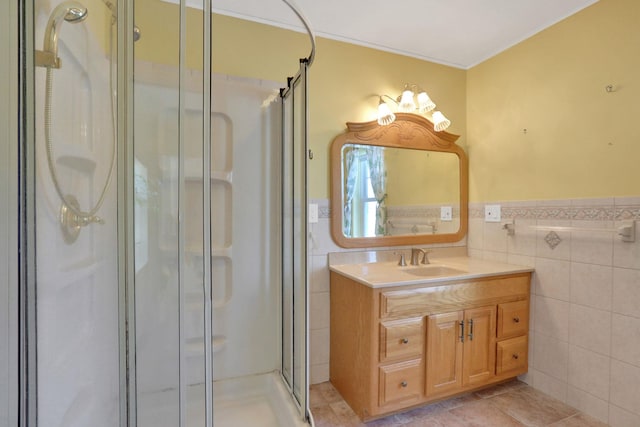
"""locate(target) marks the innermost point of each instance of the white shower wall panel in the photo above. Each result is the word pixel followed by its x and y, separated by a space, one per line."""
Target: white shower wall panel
pixel 77 288
pixel 245 230
pixel 249 320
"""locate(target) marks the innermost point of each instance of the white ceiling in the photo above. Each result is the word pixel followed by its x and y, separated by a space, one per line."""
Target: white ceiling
pixel 459 33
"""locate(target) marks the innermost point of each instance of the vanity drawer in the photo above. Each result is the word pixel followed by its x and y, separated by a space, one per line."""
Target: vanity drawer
pixel 512 356
pixel 401 338
pixel 400 382
pixel 446 297
pixel 513 319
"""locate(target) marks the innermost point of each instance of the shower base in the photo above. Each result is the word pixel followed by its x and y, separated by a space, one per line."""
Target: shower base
pixel 256 400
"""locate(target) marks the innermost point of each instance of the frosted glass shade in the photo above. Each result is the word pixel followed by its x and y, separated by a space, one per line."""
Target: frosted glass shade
pixel 425 104
pixel 385 115
pixel 406 104
pixel 440 122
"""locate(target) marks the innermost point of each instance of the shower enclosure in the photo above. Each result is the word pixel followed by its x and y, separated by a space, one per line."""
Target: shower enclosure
pixel 164 227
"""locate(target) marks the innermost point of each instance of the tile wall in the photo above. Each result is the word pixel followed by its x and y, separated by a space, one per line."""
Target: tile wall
pixel 585 311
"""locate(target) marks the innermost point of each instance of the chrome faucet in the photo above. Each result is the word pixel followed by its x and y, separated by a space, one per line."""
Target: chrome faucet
pixel 415 255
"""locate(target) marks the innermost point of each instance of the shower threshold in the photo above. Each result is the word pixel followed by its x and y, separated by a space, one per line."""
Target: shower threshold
pixel 255 400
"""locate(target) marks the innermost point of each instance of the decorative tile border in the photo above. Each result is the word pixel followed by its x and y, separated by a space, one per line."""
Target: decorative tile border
pixel 419 211
pixel 577 213
pixel 537 210
pixel 627 212
pixel 324 212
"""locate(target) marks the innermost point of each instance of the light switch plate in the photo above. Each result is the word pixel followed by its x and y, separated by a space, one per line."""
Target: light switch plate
pixel 313 213
pixel 492 213
pixel 446 213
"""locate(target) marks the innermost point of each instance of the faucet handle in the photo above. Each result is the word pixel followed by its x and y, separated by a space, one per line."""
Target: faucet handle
pixel 425 257
pixel 402 262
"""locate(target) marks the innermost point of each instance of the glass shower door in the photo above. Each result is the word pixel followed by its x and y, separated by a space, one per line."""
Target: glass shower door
pixel 125 332
pixel 74 378
pixel 172 219
pixel 294 283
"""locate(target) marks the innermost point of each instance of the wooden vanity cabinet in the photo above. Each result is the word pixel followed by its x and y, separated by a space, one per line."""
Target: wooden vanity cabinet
pixel 398 347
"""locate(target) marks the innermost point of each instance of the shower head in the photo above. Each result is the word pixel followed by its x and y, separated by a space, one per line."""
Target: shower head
pixel 69 11
pixel 75 14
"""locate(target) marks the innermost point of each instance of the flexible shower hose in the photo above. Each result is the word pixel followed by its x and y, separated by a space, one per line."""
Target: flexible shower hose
pixel 49 149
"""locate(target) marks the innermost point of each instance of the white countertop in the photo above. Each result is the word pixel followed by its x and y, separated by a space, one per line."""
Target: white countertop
pixel 441 269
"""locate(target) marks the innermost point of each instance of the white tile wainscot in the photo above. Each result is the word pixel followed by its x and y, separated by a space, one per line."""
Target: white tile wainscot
pixel 585 316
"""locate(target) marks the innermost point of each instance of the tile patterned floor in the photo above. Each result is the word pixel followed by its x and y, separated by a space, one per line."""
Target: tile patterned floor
pixel 510 404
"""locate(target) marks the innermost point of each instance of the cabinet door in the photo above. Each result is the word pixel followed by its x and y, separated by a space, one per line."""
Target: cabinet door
pixel 444 353
pixel 479 359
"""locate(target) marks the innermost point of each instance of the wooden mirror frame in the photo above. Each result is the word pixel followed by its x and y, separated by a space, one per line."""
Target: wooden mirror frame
pixel 407 131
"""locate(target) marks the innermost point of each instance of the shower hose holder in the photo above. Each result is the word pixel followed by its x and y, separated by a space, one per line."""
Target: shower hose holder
pixel 71 223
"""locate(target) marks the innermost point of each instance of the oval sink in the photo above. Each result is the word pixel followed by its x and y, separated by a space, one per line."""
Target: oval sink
pixel 434 270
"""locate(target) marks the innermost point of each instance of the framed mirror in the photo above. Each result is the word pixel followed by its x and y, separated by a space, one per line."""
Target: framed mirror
pixel 400 184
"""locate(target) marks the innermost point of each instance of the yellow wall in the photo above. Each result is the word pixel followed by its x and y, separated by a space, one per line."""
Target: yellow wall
pixel 343 81
pixel 580 141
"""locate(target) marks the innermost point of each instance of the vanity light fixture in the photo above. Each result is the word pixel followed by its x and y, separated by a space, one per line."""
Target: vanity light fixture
pixel 407 104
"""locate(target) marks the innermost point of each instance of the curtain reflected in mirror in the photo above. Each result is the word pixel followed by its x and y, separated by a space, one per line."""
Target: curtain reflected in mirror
pixel 365 191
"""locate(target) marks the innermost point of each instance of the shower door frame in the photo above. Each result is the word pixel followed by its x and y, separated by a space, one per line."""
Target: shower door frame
pixel 9 212
pixel 26 189
pixel 125 212
pixel 300 78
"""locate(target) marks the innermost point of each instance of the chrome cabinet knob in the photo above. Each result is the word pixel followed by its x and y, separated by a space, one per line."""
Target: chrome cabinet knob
pixel 405 340
pixel 403 384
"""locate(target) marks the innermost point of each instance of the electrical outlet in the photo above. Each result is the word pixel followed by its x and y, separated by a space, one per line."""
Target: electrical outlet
pixel 446 213
pixel 313 213
pixel 492 213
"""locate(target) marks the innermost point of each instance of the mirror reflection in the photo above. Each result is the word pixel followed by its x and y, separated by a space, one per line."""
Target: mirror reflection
pixel 399 184
pixel 382 199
